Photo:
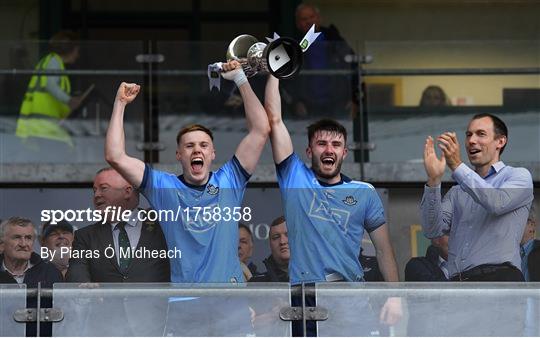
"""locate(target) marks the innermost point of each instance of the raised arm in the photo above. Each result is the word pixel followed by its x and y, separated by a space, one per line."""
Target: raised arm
pixel 515 192
pixel 279 135
pixel 250 148
pixel 132 169
pixel 436 213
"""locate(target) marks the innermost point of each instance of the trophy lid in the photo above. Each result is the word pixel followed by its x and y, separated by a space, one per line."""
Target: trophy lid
pixel 284 57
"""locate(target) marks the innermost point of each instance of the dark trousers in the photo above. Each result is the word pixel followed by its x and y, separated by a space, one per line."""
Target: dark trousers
pixel 504 272
pixel 296 301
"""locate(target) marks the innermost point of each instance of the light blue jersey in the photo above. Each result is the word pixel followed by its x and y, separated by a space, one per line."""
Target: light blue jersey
pixel 207 238
pixel 325 223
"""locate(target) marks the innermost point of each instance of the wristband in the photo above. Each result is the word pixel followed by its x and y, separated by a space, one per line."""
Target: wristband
pixel 239 77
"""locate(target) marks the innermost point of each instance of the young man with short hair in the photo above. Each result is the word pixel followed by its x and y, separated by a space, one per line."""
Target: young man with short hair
pixel 326 211
pixel 209 245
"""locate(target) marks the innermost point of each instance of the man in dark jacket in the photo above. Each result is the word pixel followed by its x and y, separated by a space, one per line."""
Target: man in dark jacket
pixel 432 267
pixel 19 264
pixel 139 315
pixel 112 190
pixel 327 94
pixel 277 264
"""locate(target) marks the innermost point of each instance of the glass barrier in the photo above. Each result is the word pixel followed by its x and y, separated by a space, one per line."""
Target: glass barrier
pixel 262 309
pixel 420 88
pixel 185 97
pixel 12 298
pixel 500 77
pixel 432 54
pixel 430 309
pixel 401 139
pixel 171 310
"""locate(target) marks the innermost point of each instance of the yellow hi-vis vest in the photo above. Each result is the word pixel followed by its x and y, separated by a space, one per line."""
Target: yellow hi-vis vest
pixel 40 111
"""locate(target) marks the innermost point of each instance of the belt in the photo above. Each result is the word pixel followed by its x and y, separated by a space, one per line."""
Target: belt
pixel 481 270
pixel 334 277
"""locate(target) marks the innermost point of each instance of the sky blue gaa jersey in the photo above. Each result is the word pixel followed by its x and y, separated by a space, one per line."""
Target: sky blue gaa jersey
pixel 325 222
pixel 207 238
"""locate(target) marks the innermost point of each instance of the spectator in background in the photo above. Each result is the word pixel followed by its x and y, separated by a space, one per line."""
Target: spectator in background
pixel 48 99
pixel 277 264
pixel 4 276
pixel 530 250
pixel 245 251
pixel 434 96
pixel 19 259
pixel 55 237
pixel 433 267
pixel 530 266
pixel 21 265
pixel 323 95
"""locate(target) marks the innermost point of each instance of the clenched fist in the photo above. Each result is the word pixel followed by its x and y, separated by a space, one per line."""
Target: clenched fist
pixel 127 92
pixel 231 65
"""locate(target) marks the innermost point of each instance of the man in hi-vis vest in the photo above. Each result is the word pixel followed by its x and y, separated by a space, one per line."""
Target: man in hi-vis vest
pixel 48 98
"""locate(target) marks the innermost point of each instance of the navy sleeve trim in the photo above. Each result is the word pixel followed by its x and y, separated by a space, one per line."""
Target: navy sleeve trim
pixel 370 230
pixel 285 162
pixel 145 176
pixel 247 175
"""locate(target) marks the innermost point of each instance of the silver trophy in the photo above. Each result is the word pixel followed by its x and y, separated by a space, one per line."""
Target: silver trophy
pixel 282 57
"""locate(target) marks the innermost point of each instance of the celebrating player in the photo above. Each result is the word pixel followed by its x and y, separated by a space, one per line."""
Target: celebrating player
pixel 327 212
pixel 209 245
